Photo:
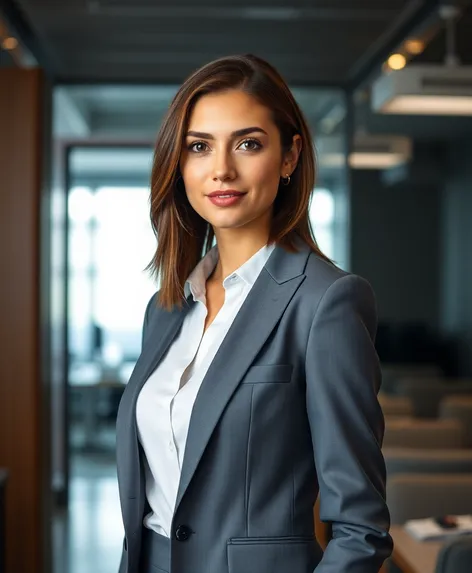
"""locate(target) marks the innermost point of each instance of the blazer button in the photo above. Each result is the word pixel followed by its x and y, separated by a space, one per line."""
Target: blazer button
pixel 182 533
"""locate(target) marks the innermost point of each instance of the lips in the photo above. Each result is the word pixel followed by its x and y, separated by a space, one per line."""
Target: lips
pixel 227 200
pixel 226 193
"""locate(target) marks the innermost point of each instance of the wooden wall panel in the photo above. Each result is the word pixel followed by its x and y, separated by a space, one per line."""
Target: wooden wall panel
pixel 23 440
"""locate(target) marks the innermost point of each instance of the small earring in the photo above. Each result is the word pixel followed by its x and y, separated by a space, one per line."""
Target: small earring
pixel 286 180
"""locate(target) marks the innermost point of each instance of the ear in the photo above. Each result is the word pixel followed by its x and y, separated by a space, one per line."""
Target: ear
pixel 290 160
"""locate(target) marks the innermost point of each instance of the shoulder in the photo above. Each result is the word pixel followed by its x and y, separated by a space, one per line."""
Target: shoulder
pixel 325 283
pixel 321 274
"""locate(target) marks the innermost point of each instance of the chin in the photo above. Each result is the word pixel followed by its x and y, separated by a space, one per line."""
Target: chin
pixel 224 219
pixel 227 224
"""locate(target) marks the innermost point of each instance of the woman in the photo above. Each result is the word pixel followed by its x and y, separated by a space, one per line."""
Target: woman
pixel 257 383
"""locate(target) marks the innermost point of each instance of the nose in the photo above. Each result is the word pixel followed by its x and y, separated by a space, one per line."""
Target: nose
pixel 223 167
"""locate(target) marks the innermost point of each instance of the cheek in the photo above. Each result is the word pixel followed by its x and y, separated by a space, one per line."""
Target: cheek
pixel 192 172
pixel 265 174
pixel 193 178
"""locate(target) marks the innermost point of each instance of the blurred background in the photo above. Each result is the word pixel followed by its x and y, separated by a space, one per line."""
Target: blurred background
pixel 387 90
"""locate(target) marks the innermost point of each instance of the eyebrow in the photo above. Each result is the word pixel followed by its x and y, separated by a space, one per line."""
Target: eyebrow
pixel 237 133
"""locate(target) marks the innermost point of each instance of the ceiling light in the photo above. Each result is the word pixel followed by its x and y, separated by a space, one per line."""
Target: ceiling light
pixel 368 152
pixel 414 47
pixel 9 43
pixel 366 160
pixel 429 105
pixel 396 62
pixel 426 89
pixel 379 151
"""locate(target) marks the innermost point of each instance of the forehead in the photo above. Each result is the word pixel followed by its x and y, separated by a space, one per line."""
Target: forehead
pixel 229 111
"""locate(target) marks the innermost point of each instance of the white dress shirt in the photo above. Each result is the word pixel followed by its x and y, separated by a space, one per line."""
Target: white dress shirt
pixel 166 400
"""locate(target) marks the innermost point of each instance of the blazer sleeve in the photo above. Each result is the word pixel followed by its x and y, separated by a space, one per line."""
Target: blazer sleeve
pixel 347 427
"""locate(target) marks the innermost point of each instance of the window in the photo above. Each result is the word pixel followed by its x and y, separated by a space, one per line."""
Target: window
pixel 110 244
pixel 321 212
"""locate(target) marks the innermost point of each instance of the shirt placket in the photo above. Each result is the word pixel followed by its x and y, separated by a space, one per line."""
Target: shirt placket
pixel 172 442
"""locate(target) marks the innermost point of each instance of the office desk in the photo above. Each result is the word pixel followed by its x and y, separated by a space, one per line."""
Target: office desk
pixel 414 556
pixel 88 379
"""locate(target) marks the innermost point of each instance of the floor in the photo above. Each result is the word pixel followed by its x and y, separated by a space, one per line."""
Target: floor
pixel 89 536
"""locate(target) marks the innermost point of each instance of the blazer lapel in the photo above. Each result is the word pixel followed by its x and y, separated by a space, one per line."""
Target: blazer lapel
pixel 162 331
pixel 258 316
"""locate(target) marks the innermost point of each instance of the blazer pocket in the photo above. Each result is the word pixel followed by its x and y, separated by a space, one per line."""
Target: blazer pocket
pixel 268 373
pixel 273 555
pixel 271 540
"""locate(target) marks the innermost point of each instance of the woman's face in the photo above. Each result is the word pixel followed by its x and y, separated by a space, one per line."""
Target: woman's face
pixel 232 144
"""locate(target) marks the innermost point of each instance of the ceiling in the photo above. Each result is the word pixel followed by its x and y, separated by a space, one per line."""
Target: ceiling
pixel 436 48
pixel 312 42
pixel 135 112
pixel 118 62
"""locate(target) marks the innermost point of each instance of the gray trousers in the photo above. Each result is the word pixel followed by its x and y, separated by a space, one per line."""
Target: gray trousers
pixel 155 553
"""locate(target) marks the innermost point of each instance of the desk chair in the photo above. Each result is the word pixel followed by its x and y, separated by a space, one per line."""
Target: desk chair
pixel 416 496
pixel 456 557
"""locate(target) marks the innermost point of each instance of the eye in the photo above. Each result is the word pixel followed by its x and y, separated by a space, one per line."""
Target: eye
pixel 251 145
pixel 198 147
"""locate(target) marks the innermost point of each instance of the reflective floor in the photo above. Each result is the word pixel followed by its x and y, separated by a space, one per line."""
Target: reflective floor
pixel 89 539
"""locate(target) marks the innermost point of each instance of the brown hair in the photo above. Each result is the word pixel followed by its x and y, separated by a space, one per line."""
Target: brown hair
pixel 183 236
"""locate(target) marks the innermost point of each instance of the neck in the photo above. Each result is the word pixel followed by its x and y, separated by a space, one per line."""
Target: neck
pixel 234 250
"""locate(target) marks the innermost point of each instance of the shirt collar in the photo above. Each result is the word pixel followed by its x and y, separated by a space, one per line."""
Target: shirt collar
pixel 248 272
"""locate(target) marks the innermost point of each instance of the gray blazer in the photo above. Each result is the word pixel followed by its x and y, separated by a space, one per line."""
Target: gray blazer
pixel 287 409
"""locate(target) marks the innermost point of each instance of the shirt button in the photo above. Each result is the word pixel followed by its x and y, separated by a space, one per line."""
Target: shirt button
pixel 171 446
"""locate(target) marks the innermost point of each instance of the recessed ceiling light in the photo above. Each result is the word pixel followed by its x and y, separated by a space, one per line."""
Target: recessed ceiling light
pixel 9 43
pixel 396 62
pixel 414 47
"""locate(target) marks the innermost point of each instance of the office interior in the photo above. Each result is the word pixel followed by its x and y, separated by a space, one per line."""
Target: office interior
pixel 387 90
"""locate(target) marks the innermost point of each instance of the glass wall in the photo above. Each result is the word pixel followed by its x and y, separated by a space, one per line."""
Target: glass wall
pixel 110 243
pixel 326 111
